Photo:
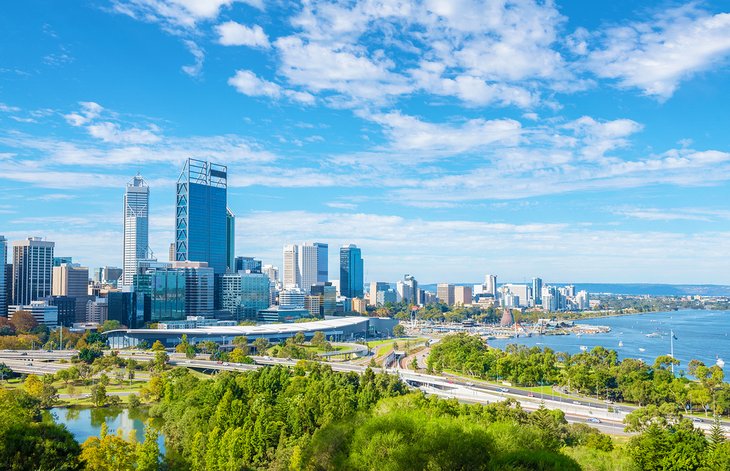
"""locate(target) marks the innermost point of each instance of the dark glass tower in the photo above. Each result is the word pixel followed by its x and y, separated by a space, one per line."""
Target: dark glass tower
pixel 351 272
pixel 201 218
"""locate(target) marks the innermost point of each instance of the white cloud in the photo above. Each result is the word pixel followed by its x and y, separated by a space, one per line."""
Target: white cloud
pixel 110 132
pixel 248 83
pixel 89 111
pixel 235 34
pixel 408 133
pixel 673 214
pixel 656 55
pixel 199 57
pixel 175 14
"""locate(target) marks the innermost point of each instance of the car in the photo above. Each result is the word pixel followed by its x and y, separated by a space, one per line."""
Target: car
pixel 594 420
pixel 226 364
pixel 577 403
pixel 219 362
pixel 697 420
pixel 504 390
pixel 24 354
pixel 530 395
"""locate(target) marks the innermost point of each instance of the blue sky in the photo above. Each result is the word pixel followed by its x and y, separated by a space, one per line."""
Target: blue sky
pixel 569 140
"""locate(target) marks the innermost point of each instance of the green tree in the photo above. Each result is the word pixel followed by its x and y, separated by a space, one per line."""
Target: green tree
pixel 148 452
pixel 261 344
pixel 299 338
pixel 98 395
pixel 399 330
pixel 158 346
pixel 318 339
pixel 108 452
pixel 110 325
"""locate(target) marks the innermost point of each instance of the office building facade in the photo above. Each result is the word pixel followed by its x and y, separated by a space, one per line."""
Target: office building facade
pixel 42 312
pixel 32 270
pixel 351 272
pixel 290 275
pixel 247 264
pixel 4 301
pixel 245 294
pixel 122 308
pixel 463 295
pixel 445 293
pixel 136 227
pixel 230 240
pixel 537 291
pixel 72 281
pixel 201 218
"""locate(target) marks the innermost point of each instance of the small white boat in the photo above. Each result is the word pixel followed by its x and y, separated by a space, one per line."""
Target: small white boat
pixel 642 350
pixel 720 362
pixel 654 335
pixel 620 343
pixel 583 348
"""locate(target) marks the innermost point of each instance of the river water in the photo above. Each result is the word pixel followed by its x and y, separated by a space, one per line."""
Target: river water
pixel 701 335
pixel 86 422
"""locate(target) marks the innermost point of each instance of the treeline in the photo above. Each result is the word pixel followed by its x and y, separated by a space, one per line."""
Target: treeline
pixel 597 373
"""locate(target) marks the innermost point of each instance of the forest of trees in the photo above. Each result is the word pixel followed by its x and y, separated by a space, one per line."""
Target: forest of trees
pixel 311 418
pixel 597 373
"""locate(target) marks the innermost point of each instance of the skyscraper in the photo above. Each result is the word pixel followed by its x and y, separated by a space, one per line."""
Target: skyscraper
pixel 248 264
pixel 201 218
pixel 136 227
pixel 32 270
pixel 291 266
pixel 322 262
pixel 490 284
pixel 351 272
pixel 537 290
pixel 230 240
pixel 3 278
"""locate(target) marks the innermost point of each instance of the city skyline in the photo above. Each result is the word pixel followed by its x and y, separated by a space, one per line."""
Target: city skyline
pixel 569 161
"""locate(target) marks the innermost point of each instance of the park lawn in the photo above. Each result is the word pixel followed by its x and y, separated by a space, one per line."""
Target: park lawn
pixel 378 343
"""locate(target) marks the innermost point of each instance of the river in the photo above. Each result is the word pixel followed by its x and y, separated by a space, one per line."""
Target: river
pixel 86 422
pixel 701 335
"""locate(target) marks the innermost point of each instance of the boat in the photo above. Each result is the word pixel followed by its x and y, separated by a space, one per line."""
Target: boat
pixel 654 335
pixel 620 343
pixel 583 348
pixel 642 350
pixel 720 362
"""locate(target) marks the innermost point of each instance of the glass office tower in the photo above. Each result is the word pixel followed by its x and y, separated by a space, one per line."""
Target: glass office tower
pixel 351 272
pixel 201 217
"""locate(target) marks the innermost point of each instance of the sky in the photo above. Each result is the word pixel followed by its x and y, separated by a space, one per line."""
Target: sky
pixel 576 141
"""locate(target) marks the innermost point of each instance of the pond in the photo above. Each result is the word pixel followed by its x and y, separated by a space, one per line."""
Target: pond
pixel 86 422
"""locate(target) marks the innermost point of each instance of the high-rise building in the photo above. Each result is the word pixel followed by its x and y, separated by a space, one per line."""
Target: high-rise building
pixel 110 275
pixel 313 304
pixel 201 217
pixel 248 264
pixel 445 293
pixel 73 281
pixel 308 265
pixel 171 252
pixel 291 266
pixel 520 292
pixel 3 276
pixel 136 227
pixel 352 284
pixel 385 296
pixel 244 294
pixel 185 289
pixel 322 262
pixel 230 240
pixel 537 290
pixel 463 295
pixel 490 285
pixel 8 284
pixel 32 270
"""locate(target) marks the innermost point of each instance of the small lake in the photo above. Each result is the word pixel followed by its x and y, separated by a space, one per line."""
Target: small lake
pixel 702 335
pixel 86 422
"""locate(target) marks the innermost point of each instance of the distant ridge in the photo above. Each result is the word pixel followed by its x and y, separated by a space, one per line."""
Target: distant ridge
pixel 636 289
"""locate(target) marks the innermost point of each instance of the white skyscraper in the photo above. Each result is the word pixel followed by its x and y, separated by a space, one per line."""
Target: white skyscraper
pixel 136 227
pixel 291 266
pixel 490 284
pixel 307 275
pixel 32 270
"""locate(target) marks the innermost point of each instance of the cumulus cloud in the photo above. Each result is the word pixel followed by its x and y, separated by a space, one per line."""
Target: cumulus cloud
pixel 246 82
pixel 656 55
pixel 231 33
